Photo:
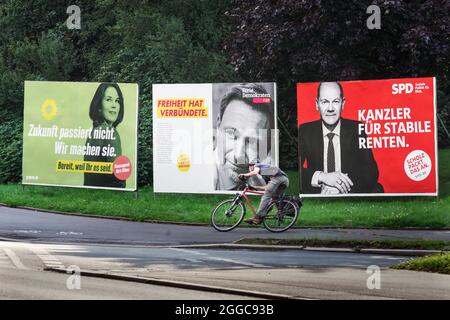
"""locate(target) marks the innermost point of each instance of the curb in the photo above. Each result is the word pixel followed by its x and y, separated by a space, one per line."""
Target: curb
pixel 9 240
pixel 402 252
pixel 393 252
pixel 180 284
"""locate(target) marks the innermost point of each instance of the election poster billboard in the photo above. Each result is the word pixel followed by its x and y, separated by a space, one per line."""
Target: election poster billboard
pixel 80 134
pixel 368 138
pixel 205 135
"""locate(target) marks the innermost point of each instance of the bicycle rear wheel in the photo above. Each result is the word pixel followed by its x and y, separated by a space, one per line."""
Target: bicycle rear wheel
pixel 281 216
pixel 227 215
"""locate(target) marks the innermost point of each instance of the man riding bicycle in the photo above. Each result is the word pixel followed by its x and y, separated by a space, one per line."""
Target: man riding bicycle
pixel 278 181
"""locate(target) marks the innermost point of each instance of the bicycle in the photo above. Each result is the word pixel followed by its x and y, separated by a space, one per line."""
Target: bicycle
pixel 282 213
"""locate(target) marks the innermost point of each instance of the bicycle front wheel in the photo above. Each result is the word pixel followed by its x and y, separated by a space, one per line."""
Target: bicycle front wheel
pixel 227 215
pixel 281 216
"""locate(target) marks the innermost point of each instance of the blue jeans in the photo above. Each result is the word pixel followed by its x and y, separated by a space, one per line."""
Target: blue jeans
pixel 272 190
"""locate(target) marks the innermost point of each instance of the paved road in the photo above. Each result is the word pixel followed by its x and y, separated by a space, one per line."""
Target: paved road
pixel 323 275
pixel 47 227
pixel 111 257
pixel 148 250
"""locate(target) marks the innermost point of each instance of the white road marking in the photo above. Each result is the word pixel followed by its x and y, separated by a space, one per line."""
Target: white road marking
pixel 189 251
pixel 253 265
pixel 15 259
pixel 42 252
pixel 70 233
pixel 385 257
pixel 62 248
pixel 28 231
pixel 48 260
pixel 207 256
pixel 4 260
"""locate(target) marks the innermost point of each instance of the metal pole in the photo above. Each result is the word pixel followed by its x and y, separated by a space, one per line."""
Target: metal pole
pixel 443 126
pixel 287 131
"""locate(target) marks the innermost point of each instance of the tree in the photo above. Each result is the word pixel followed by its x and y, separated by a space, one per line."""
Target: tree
pixel 292 41
pixel 143 41
pixel 160 46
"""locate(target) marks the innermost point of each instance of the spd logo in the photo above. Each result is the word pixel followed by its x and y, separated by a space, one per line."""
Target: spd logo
pixel 399 88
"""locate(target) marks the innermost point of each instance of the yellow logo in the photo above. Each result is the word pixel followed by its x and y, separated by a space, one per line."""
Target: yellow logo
pixel 49 109
pixel 183 162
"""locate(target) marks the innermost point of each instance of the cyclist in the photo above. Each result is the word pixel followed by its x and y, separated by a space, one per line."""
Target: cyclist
pixel 277 182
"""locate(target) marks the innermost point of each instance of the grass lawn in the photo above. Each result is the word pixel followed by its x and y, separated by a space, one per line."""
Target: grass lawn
pixel 421 212
pixel 439 263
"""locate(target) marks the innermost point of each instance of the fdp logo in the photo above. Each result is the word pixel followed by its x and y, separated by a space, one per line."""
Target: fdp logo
pixel 399 88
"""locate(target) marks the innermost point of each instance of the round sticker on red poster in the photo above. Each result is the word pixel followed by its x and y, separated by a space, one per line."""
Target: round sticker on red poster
pixel 122 168
pixel 418 165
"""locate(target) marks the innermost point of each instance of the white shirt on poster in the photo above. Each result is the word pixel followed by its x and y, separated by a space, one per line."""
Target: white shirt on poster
pixel 337 152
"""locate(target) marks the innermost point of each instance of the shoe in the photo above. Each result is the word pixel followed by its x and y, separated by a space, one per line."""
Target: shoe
pixel 253 220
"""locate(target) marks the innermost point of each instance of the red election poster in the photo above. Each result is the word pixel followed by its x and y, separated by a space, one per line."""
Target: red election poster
pixel 368 138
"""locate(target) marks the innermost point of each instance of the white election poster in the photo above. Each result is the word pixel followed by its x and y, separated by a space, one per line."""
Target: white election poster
pixel 204 135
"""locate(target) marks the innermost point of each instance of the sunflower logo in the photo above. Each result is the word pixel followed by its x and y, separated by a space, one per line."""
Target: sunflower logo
pixel 49 109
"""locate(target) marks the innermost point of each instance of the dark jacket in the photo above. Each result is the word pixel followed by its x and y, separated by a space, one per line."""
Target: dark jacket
pixel 359 164
pixel 104 180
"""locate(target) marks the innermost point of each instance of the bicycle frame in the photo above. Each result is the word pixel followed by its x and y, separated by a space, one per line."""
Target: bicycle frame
pixel 244 195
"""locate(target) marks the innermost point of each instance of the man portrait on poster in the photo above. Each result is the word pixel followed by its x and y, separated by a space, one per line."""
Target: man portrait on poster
pixel 331 162
pixel 245 119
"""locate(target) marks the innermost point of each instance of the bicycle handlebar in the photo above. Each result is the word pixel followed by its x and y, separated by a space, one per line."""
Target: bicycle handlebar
pixel 246 184
pixel 250 187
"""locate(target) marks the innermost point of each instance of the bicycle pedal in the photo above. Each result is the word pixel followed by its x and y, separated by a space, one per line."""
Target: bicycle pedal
pixel 253 221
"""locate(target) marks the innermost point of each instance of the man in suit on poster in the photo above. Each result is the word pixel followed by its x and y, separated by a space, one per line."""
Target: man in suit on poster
pixel 331 161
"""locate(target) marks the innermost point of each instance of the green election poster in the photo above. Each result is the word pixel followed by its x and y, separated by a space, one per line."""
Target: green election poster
pixel 79 134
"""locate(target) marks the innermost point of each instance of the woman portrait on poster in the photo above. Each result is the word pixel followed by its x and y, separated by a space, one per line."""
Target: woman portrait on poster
pixel 106 112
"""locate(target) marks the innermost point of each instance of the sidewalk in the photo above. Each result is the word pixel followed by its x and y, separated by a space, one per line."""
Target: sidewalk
pixel 330 283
